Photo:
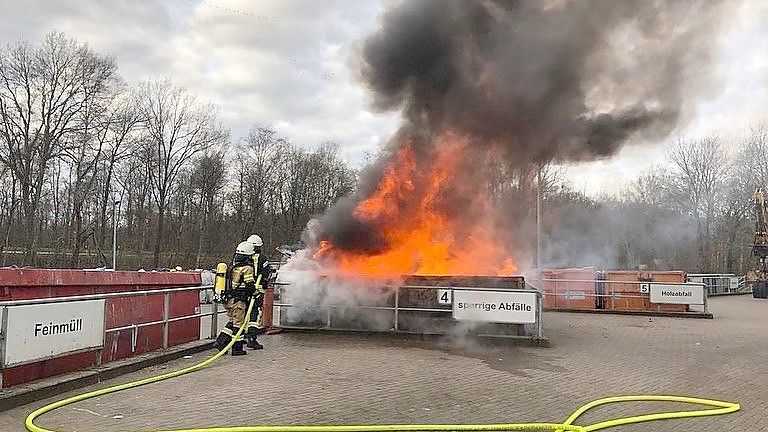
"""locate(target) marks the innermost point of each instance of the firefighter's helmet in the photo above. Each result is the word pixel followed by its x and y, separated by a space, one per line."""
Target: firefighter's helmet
pixel 245 248
pixel 255 241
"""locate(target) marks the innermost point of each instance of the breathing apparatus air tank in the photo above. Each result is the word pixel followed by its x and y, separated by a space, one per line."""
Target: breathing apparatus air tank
pixel 220 283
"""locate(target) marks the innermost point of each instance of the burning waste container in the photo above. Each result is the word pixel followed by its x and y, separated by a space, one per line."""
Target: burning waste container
pixel 413 304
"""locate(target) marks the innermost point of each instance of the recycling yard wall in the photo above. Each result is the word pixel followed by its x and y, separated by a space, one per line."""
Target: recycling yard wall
pixel 25 284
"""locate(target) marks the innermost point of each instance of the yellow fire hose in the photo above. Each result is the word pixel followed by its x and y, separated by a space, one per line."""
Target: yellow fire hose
pixel 567 425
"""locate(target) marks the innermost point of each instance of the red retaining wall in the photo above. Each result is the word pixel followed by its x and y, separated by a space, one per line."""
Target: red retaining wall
pixel 24 284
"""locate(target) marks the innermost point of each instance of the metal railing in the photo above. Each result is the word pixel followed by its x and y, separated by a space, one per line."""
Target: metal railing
pixel 398 309
pixel 721 283
pixel 602 293
pixel 134 327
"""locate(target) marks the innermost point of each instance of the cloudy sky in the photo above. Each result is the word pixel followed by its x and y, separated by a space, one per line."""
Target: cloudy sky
pixel 288 64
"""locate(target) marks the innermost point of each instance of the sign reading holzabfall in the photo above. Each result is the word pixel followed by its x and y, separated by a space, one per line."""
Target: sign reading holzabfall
pixel 495 306
pixel 36 332
pixel 677 294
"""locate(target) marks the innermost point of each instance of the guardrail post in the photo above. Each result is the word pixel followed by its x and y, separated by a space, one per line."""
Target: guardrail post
pixel 613 296
pixel 99 352
pixel 214 319
pixel 134 337
pixel 706 296
pixel 3 337
pixel 539 313
pixel 397 305
pixel 166 313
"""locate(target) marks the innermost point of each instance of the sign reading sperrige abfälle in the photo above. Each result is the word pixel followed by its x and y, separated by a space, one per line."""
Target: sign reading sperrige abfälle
pixel 495 306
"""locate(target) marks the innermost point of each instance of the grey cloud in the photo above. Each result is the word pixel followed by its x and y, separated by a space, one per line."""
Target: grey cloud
pixel 269 64
pixel 286 43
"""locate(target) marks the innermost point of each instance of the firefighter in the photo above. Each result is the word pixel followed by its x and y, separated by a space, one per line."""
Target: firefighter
pixel 240 287
pixel 261 266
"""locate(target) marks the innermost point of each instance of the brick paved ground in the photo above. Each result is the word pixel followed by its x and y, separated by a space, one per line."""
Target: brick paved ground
pixel 342 379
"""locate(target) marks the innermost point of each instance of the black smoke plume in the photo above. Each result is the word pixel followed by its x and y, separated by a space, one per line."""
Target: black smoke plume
pixel 527 82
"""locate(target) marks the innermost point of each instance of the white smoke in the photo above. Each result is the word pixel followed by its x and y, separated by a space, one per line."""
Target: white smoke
pixel 317 295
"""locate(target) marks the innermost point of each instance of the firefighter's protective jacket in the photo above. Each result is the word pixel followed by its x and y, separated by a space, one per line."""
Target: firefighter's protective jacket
pixel 261 264
pixel 242 282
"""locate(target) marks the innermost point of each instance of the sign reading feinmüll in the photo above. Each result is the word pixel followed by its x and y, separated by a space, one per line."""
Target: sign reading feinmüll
pixel 43 331
pixel 75 324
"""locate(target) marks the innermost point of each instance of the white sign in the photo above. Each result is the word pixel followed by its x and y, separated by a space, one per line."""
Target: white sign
pixel 677 294
pixel 645 288
pixel 36 332
pixel 733 283
pixel 444 296
pixel 495 306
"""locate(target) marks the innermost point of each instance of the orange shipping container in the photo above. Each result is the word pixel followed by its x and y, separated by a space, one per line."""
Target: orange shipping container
pixel 571 288
pixel 627 296
pixel 672 277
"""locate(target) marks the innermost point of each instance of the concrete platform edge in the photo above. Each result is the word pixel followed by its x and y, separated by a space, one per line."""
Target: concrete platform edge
pixel 543 342
pixel 729 294
pixel 699 315
pixel 26 393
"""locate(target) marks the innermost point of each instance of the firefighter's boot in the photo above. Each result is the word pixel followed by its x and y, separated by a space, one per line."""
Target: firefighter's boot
pixel 237 349
pixel 252 342
pixel 221 341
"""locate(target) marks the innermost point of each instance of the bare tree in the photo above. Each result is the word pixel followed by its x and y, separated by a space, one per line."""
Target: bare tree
pixel 749 172
pixel 506 182
pixel 263 163
pixel 43 93
pixel 751 160
pixel 133 181
pixel 178 127
pixel 208 178
pixel 312 182
pixel 699 169
pixel 650 190
pixel 8 206
pixel 87 152
pixel 123 126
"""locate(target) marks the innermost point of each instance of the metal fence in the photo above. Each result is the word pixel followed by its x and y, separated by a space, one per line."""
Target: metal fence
pixel 721 283
pixel 134 328
pixel 613 295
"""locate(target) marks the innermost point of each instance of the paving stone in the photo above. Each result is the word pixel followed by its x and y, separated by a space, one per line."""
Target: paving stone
pixel 334 379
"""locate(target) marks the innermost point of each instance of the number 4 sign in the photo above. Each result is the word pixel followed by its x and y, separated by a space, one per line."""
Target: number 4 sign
pixel 445 296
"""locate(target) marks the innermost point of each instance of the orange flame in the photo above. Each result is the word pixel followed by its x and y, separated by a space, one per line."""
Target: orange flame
pixel 419 238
